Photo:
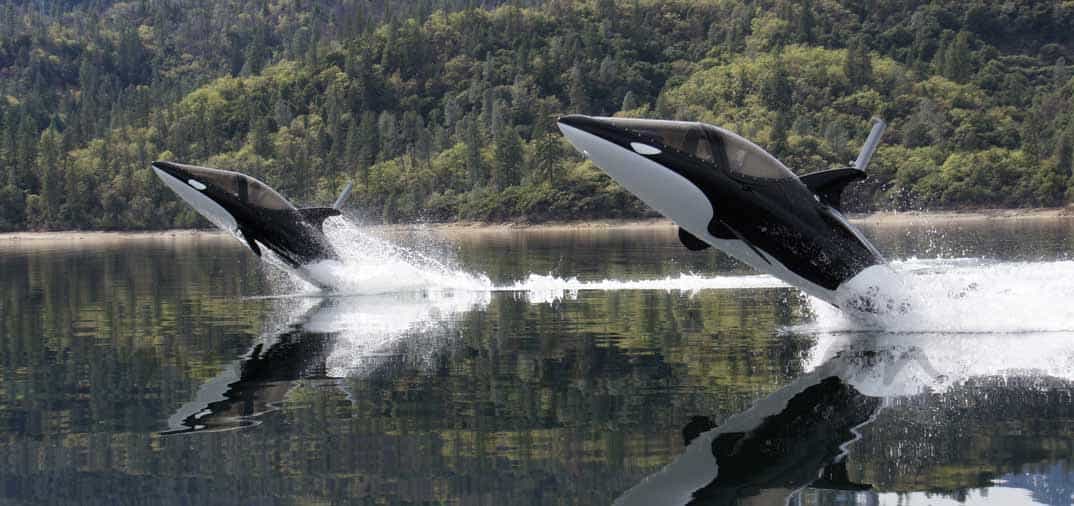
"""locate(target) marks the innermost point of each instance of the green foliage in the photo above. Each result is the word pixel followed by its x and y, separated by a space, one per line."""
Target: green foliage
pixel 449 114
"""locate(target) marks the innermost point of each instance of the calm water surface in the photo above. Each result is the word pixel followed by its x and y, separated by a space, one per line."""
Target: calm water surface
pixel 584 367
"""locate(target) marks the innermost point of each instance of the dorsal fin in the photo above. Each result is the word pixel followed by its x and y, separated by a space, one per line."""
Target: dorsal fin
pixel 829 184
pixel 316 215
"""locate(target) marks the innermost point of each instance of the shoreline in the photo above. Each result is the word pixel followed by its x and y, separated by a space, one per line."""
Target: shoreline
pixel 882 218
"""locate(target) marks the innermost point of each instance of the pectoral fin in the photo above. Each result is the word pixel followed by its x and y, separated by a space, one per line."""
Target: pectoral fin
pixel 250 242
pixel 691 241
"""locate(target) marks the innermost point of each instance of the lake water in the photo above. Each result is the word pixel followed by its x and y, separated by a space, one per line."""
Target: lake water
pixel 534 367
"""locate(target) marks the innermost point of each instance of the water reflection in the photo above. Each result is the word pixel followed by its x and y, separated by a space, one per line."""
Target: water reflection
pixel 326 339
pixel 792 446
pixel 565 396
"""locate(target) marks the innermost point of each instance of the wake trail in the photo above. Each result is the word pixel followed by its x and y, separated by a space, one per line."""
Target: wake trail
pixel 967 317
pixel 374 266
pixel 950 295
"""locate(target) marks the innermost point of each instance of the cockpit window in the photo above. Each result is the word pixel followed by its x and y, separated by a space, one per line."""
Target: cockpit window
pixel 689 138
pixel 263 196
pixel 711 144
pixel 745 158
pixel 245 188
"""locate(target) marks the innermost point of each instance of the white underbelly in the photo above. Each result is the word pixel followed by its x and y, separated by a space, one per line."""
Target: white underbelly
pixel 682 201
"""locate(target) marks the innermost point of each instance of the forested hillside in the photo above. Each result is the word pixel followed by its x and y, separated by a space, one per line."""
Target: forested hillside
pixel 443 110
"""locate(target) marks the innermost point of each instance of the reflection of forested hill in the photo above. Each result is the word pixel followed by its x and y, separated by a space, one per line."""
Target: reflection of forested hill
pixel 85 330
pixel 554 416
pixel 447 114
pixel 989 429
pixel 511 402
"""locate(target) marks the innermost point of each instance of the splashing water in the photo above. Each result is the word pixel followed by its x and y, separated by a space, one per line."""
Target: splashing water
pixel 967 295
pixel 960 295
pixel 368 328
pixel 384 294
pixel 373 266
pixel 539 288
pixel 968 318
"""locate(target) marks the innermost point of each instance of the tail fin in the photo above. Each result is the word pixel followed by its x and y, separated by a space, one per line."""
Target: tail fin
pixel 343 195
pixel 870 145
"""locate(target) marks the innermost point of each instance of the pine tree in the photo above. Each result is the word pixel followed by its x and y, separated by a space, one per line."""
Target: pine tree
pixel 25 156
pixel 578 93
pixel 475 166
pixel 261 138
pixel 366 144
pixel 12 208
pixel 858 66
pixel 258 53
pixel 607 72
pixel 74 212
pixel 807 23
pixel 1033 128
pixel 337 120
pixel 957 62
pixel 89 107
pixel 132 58
pixel 49 157
pixel 507 158
pixel 778 140
pixel 388 133
pixel 606 9
pixel 777 89
pixel 547 158
pixel 1064 153
pixel 7 147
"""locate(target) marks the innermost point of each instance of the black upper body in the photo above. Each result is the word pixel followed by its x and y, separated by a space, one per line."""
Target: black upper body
pixel 261 214
pixel 754 197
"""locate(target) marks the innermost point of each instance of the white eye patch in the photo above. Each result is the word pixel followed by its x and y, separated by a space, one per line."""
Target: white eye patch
pixel 644 149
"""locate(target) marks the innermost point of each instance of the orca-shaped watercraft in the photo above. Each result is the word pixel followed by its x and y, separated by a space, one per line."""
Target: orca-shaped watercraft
pixel 255 212
pixel 725 191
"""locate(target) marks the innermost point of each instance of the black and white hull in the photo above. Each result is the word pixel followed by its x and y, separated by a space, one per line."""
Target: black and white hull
pixel 724 191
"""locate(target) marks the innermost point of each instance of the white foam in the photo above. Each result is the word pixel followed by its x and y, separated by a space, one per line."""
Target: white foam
pixel 968 296
pixel 945 295
pixel 372 266
pixel 960 295
pixel 383 295
pixel 547 288
pixel 366 328
pixel 985 495
pixel 968 318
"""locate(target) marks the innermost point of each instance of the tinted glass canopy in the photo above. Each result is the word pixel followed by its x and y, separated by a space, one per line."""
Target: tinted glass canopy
pixel 706 142
pixel 247 189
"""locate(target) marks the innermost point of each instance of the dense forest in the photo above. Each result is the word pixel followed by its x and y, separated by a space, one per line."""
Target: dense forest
pixel 445 110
